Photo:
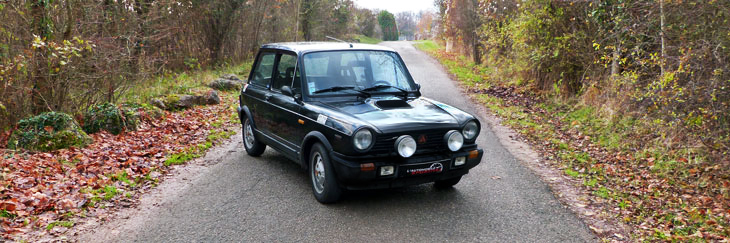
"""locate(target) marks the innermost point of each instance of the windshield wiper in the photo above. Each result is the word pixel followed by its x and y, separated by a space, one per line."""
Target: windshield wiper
pixel 383 86
pixel 341 88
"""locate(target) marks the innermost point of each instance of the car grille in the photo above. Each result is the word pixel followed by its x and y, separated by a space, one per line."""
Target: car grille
pixel 434 141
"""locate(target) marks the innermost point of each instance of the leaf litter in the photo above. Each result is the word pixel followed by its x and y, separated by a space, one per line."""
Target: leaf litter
pixel 42 193
pixel 659 207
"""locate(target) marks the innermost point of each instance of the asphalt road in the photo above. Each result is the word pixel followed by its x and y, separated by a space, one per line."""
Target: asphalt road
pixel 269 198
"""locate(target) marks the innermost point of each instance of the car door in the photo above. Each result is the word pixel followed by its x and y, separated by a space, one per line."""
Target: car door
pixel 257 89
pixel 287 126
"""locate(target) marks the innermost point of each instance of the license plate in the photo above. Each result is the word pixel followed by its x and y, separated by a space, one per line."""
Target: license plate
pixel 422 169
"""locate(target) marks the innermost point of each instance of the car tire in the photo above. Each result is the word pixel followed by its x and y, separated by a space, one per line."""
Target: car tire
pixel 448 183
pixel 253 147
pixel 321 174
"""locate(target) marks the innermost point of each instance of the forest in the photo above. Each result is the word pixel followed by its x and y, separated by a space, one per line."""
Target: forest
pixel 663 60
pixel 67 55
pixel 645 83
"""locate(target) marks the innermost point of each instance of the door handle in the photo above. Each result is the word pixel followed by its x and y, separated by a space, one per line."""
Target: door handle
pixel 267 97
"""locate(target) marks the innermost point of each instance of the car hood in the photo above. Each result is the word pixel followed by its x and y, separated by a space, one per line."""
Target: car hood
pixel 393 114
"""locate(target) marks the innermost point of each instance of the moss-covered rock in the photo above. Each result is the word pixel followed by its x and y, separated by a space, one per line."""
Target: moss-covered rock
pixel 210 98
pixel 135 113
pixel 174 102
pixel 154 113
pixel 230 76
pixel 171 100
pixel 158 103
pixel 110 118
pixel 48 131
pixel 226 84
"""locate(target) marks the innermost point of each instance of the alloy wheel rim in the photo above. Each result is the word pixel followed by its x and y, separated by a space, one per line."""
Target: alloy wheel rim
pixel 248 135
pixel 318 173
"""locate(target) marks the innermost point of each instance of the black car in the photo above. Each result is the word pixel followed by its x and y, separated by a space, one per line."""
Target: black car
pixel 353 117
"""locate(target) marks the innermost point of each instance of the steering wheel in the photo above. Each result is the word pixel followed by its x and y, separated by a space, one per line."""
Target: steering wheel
pixel 381 82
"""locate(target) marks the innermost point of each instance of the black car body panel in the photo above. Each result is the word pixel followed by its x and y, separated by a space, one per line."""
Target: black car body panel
pixel 291 123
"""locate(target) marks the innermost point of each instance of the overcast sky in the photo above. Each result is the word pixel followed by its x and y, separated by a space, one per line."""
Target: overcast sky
pixel 395 6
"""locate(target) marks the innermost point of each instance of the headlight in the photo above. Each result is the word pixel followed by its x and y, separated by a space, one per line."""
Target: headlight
pixel 405 145
pixel 454 140
pixel 471 130
pixel 363 139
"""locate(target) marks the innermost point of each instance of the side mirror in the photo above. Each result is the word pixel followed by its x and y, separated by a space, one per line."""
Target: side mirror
pixel 287 91
pixel 418 86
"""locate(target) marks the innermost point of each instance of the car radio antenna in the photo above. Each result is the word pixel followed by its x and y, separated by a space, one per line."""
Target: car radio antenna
pixel 333 38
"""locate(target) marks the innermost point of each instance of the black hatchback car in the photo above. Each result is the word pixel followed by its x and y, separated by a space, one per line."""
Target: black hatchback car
pixel 353 117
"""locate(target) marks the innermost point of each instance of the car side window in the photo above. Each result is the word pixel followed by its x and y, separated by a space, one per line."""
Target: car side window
pixel 264 68
pixel 284 71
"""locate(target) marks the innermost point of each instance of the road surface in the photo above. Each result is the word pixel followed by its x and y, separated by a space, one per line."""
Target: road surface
pixel 242 198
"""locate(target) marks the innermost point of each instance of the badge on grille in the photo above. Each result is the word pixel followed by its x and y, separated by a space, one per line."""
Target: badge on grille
pixel 422 139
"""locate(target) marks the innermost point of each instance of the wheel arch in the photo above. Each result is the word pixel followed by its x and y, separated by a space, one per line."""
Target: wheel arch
pixel 244 112
pixel 310 139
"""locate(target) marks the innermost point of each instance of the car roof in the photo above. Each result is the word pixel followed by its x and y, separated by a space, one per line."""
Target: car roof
pixel 304 47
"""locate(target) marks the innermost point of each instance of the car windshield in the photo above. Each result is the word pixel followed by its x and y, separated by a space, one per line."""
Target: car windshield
pixel 354 73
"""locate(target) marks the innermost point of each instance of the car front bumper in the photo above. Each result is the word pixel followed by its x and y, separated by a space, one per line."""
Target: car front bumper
pixel 418 169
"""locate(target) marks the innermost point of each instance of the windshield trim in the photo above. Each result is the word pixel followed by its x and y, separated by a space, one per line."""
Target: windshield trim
pixel 414 93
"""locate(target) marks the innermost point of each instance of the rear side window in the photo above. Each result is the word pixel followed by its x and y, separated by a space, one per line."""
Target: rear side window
pixel 285 71
pixel 264 68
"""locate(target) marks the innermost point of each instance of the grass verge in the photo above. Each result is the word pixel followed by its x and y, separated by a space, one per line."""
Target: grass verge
pixel 366 40
pixel 664 194
pixel 67 224
pixel 187 82
pixel 199 150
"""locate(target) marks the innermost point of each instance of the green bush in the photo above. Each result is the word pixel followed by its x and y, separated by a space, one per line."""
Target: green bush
pixel 48 131
pixel 110 118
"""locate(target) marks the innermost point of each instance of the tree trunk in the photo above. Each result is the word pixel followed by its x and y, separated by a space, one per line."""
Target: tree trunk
pixel 42 90
pixel 661 34
pixel 477 53
pixel 69 21
pixel 615 59
pixel 307 19
pixel 296 20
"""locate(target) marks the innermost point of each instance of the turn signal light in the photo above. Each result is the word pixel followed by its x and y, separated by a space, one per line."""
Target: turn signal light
pixel 367 167
pixel 473 154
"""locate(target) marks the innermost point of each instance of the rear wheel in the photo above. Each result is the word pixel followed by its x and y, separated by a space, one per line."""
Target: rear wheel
pixel 253 147
pixel 321 173
pixel 448 183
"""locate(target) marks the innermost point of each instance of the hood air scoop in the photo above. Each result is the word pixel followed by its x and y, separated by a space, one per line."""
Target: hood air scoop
pixel 392 104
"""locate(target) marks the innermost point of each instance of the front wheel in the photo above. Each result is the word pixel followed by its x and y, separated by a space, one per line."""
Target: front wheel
pixel 448 183
pixel 253 147
pixel 324 183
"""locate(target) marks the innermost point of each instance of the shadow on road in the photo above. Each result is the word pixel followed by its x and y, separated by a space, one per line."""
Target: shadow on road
pixel 285 169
